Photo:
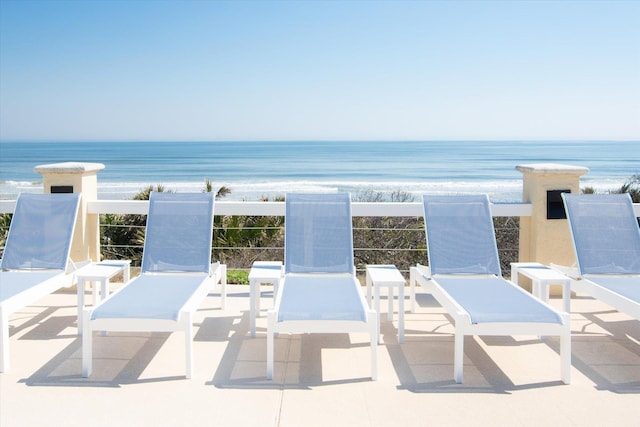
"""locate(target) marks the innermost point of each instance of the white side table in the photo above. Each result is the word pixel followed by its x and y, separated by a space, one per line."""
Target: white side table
pixel 261 272
pixel 542 277
pixel 99 272
pixel 388 276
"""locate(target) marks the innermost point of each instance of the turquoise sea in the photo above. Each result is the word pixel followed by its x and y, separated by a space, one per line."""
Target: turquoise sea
pixel 255 169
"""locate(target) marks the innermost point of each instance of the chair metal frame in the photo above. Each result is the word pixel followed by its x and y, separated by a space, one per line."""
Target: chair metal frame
pixel 309 270
pixel 428 278
pixel 163 268
pixel 623 261
pixel 36 258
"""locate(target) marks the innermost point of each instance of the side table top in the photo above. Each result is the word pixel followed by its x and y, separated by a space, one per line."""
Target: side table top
pixel 538 271
pixel 102 269
pixel 265 269
pixel 384 273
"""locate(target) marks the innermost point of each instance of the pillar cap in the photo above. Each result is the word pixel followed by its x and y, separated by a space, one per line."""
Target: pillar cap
pixel 552 169
pixel 69 167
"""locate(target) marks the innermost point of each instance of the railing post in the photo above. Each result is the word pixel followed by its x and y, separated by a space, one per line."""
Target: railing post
pixel 544 236
pixel 72 177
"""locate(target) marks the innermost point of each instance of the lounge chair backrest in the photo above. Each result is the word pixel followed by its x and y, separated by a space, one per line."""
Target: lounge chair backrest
pixel 41 231
pixel 318 233
pixel 179 233
pixel 605 233
pixel 460 235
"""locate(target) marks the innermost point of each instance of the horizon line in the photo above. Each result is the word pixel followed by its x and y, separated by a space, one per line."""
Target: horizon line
pixel 312 140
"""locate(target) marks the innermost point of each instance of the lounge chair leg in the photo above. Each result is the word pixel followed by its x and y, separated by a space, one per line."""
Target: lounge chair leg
pixel 271 318
pixel 87 344
pixel 458 357
pixel 223 285
pixel 565 355
pixel 413 271
pixel 4 342
pixel 373 322
pixel 188 344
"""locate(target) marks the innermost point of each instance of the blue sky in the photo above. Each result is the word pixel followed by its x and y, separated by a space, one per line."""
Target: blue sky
pixel 320 70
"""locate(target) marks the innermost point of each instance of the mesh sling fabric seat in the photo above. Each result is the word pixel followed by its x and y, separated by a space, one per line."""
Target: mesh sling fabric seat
pixel 36 255
pixel 606 239
pixel 176 275
pixel 464 276
pixel 319 292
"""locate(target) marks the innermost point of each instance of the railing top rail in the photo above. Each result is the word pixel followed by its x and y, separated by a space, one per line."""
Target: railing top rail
pixel 390 209
pixel 277 208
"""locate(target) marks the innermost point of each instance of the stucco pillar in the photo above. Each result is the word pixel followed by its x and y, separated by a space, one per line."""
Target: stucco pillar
pixel 73 177
pixel 545 236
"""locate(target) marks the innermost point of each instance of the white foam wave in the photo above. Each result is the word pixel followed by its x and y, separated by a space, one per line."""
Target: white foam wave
pixel 9 190
pixel 500 190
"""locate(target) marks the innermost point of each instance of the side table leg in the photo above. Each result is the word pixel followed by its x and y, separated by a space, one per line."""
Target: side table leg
pixel 368 282
pixel 412 289
pixel 104 289
pixel 126 273
pixel 390 303
pixel 80 291
pixel 401 313
pixel 514 274
pixel 252 307
pixel 376 302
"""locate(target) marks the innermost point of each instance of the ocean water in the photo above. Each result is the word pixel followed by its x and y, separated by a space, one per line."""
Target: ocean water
pixel 268 169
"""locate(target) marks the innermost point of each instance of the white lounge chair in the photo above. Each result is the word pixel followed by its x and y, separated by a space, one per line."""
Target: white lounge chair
pixel 36 255
pixel 176 275
pixel 606 239
pixel 319 292
pixel 464 276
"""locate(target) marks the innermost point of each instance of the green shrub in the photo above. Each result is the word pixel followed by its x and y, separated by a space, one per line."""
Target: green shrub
pixel 238 277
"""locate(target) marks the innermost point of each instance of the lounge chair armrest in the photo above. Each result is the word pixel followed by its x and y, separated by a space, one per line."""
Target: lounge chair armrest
pixel 424 270
pixel 213 268
pixel 74 266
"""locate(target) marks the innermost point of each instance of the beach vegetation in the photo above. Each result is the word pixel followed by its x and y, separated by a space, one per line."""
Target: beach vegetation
pixel 208 188
pixel 5 221
pixel 239 240
pixel 631 186
pixel 372 196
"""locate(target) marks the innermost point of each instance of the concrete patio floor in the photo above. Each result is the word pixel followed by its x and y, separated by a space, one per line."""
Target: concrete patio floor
pixel 320 380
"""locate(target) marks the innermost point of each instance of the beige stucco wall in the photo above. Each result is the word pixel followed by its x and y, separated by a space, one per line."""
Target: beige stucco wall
pixel 546 240
pixel 541 239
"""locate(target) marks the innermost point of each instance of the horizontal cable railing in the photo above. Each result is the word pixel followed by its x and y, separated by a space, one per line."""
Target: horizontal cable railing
pixel 384 232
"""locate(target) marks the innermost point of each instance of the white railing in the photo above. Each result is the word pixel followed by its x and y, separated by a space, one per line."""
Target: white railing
pixel 413 209
pixel 277 208
pixel 243 208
